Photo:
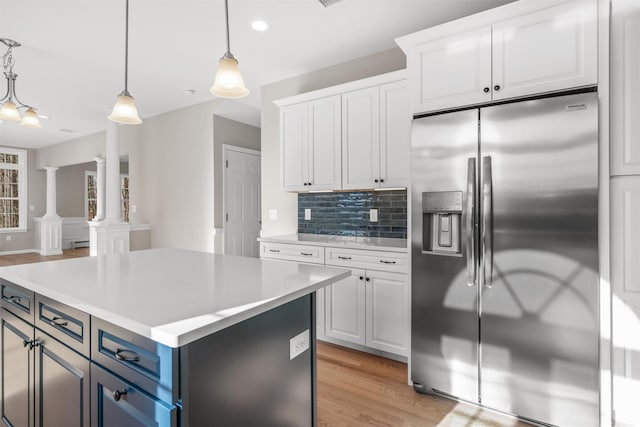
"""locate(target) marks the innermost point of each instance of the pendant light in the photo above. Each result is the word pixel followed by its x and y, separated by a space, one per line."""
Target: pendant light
pixel 124 110
pixel 10 102
pixel 229 82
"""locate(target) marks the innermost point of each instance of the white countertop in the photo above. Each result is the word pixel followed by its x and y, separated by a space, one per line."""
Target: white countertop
pixel 172 296
pixel 378 243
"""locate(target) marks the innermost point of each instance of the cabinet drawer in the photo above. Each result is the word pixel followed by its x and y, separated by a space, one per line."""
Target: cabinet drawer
pixel 151 366
pixel 371 260
pixel 301 253
pixel 64 323
pixel 17 300
pixel 116 402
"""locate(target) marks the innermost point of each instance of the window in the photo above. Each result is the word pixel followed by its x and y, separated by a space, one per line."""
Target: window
pixel 91 189
pixel 13 189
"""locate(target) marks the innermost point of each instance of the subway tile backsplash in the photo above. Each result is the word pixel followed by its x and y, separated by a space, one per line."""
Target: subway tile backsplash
pixel 347 213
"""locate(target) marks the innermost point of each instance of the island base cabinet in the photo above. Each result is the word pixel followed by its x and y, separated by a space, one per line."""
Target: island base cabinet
pixel 117 403
pixel 17 372
pixel 259 372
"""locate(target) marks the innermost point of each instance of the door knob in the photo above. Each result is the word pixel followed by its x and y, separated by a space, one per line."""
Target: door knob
pixel 496 87
pixel 486 90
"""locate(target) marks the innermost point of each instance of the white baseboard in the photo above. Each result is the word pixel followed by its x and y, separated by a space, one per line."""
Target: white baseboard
pixel 20 251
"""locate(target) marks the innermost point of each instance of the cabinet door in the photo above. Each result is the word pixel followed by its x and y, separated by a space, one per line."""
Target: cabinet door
pixel 325 172
pixel 387 312
pixel 361 139
pixel 551 49
pixel 452 71
pixel 395 134
pixel 345 308
pixel 61 385
pixel 117 403
pixel 625 87
pixel 17 372
pixel 294 147
pixel 625 280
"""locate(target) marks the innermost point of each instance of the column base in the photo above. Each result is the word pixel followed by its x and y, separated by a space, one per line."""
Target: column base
pixel 48 235
pixel 106 238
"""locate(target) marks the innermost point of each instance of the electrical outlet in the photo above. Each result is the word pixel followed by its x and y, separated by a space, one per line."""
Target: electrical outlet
pixel 273 214
pixel 307 214
pixel 373 215
pixel 31 207
pixel 8 238
pixel 133 209
pixel 298 344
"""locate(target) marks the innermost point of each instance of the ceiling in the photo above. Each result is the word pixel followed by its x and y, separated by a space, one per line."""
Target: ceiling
pixel 71 62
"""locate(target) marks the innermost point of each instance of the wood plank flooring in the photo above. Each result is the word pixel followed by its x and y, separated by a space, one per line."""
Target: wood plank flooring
pixel 358 389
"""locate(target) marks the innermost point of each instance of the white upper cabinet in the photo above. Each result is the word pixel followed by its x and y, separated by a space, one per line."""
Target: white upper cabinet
pixel 361 139
pixel 544 51
pixel 310 145
pixel 395 134
pixel 625 87
pixel 451 71
pixel 523 48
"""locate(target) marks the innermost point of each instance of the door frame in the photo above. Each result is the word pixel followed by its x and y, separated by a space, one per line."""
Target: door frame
pixel 225 149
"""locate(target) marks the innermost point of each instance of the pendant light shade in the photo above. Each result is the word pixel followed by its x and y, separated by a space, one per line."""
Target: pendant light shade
pixel 9 112
pixel 228 82
pixel 124 110
pixel 30 119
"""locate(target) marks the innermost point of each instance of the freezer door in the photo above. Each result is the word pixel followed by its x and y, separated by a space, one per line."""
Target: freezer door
pixel 444 317
pixel 539 308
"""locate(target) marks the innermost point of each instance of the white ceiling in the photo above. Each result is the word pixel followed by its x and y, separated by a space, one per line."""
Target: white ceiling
pixel 71 63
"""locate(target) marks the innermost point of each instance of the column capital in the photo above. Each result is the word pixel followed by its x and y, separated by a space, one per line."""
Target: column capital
pixel 51 168
pixel 100 160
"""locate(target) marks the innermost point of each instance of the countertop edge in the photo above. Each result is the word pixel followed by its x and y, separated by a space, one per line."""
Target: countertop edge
pixel 286 239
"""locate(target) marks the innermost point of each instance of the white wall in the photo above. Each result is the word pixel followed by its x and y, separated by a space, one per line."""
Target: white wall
pixel 287 203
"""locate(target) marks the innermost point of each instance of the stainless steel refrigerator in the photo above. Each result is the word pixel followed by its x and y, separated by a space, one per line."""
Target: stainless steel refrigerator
pixel 505 258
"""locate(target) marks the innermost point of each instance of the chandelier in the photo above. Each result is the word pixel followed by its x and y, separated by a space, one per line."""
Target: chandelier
pixel 10 102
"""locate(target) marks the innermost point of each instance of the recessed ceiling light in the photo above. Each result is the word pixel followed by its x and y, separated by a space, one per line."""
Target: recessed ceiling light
pixel 259 25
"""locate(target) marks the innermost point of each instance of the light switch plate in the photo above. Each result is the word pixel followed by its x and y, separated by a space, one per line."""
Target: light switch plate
pixel 298 344
pixel 273 214
pixel 307 214
pixel 373 215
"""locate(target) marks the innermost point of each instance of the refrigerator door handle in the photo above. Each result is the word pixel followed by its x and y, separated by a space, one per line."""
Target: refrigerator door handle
pixel 487 222
pixel 469 226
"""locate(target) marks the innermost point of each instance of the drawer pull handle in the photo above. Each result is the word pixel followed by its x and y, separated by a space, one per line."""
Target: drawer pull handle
pixel 121 355
pixel 119 393
pixel 274 250
pixel 306 253
pixel 58 321
pixel 15 299
pixel 344 257
pixel 387 262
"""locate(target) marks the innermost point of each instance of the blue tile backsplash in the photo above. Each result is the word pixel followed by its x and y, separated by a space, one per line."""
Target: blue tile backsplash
pixel 347 213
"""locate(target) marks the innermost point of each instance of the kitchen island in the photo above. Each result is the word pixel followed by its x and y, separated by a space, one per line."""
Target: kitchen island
pixel 160 337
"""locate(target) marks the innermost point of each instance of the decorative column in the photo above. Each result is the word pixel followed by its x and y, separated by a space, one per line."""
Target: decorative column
pixel 110 235
pixel 100 187
pixel 49 227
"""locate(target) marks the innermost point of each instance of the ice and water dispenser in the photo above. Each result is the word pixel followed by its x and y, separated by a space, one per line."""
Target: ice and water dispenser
pixel 441 222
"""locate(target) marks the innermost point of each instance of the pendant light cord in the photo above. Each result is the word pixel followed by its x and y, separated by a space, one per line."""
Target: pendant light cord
pixel 126 48
pixel 226 10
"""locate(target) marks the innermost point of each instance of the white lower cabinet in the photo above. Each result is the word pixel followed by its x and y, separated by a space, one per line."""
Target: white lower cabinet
pixel 387 312
pixel 345 308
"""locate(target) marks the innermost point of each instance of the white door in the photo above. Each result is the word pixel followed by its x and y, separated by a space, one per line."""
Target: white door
pixel 242 202
pixel 345 308
pixel 395 134
pixel 325 136
pixel 452 71
pixel 387 312
pixel 294 146
pixel 625 279
pixel 547 50
pixel 361 139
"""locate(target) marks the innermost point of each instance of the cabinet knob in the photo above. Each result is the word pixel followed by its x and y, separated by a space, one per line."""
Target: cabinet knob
pixel 309 183
pixel 367 279
pixel 375 180
pixel 486 90
pixel 31 344
pixel 496 87
pixel 119 393
pixel 305 184
pixel 381 180
pixel 361 278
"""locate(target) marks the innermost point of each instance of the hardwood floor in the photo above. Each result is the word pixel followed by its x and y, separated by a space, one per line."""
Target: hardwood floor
pixel 32 257
pixel 358 389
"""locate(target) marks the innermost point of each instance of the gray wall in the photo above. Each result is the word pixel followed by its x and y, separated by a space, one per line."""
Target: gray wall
pixel 36 193
pixel 272 197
